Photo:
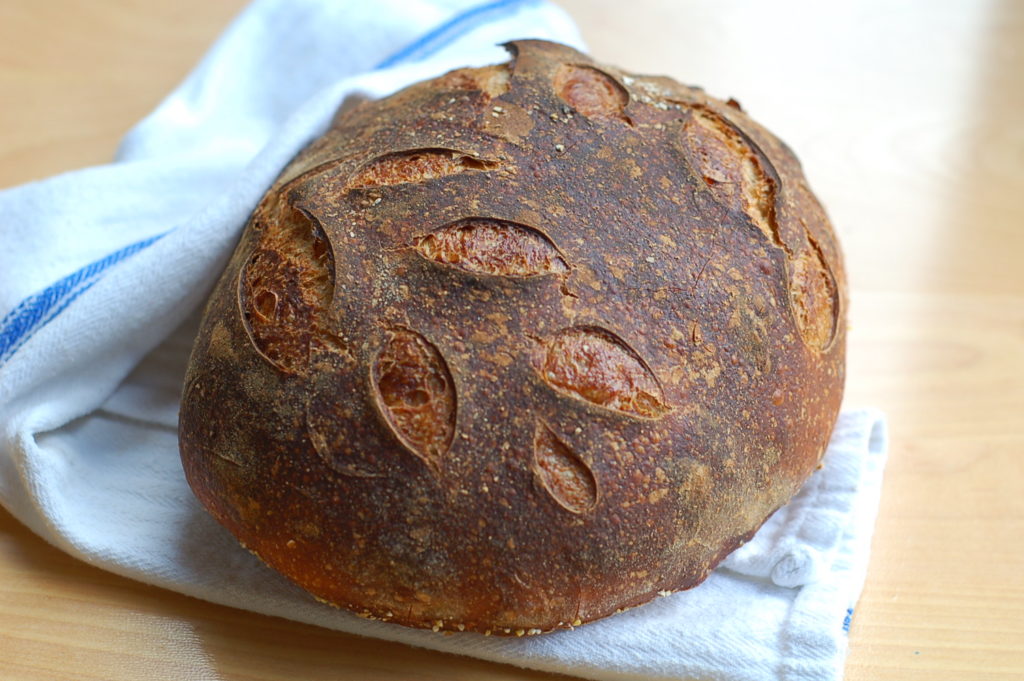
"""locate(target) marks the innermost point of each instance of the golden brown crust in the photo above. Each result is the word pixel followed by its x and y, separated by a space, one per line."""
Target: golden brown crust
pixel 519 347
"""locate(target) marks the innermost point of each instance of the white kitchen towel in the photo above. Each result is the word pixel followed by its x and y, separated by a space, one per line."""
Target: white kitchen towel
pixel 101 274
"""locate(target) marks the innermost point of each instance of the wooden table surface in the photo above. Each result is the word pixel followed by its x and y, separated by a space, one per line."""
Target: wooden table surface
pixel 909 118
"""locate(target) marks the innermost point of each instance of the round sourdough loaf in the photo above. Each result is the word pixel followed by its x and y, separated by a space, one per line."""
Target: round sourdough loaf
pixel 518 347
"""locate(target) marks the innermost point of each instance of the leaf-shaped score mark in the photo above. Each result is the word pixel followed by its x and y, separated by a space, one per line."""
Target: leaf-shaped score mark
pixel 815 298
pixel 415 165
pixel 416 394
pixel 491 246
pixel 591 92
pixel 562 473
pixel 595 365
pixel 285 287
pixel 491 80
pixel 731 169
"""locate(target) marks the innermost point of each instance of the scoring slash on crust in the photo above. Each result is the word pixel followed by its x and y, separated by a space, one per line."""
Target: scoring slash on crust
pixel 416 165
pixel 415 394
pixel 731 169
pixel 285 287
pixel 494 247
pixel 562 473
pixel 594 365
pixel 591 92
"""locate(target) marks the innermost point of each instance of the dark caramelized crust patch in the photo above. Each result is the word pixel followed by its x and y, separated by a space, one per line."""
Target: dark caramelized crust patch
pixel 488 246
pixel 330 442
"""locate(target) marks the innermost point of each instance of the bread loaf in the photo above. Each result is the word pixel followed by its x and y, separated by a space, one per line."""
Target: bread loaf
pixel 518 347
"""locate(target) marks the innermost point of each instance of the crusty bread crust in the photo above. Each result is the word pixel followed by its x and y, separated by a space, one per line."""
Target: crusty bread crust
pixel 519 347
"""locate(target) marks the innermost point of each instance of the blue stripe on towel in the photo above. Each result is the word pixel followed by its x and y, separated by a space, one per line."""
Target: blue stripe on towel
pixel 40 308
pixel 36 311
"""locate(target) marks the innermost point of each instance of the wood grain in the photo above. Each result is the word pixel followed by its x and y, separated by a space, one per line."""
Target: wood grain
pixel 907 119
